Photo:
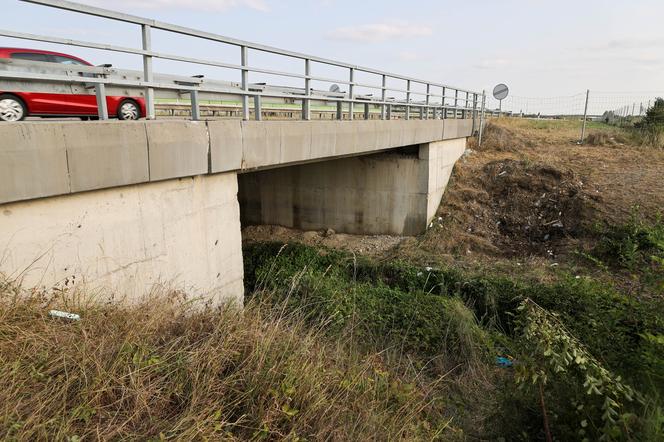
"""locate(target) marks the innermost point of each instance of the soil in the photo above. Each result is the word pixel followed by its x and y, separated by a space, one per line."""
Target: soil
pixel 531 192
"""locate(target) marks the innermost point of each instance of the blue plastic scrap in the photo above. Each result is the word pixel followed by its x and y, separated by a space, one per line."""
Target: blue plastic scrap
pixel 503 362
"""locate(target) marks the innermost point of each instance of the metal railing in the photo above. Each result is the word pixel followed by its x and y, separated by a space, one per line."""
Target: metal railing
pixel 451 101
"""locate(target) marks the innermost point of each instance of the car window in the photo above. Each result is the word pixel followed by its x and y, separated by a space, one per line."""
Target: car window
pixel 67 60
pixel 29 56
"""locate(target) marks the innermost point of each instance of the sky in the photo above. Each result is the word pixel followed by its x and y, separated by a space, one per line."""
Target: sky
pixel 553 49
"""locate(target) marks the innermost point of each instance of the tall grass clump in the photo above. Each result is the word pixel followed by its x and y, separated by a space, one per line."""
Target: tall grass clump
pixel 161 369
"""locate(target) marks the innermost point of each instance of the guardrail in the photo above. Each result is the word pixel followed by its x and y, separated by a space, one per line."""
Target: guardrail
pixel 459 102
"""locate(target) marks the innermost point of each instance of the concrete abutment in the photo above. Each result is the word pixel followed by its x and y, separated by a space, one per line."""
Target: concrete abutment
pixel 395 192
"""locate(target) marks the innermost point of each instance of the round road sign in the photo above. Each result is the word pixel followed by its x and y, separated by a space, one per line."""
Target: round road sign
pixel 500 91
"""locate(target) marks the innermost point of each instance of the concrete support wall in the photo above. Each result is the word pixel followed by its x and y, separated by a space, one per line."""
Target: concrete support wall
pixel 121 242
pixel 386 193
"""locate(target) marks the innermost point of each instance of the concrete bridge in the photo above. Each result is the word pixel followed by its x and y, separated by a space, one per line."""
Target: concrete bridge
pixel 125 206
pixel 122 207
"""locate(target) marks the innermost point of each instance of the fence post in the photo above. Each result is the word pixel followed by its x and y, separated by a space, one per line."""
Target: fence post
pixel 383 96
pixel 195 108
pixel 479 141
pixel 258 113
pixel 407 100
pixel 585 115
pixel 426 115
pixel 306 107
pixel 351 87
pixel 245 82
pixel 102 109
pixel 474 111
pixel 147 72
pixel 456 102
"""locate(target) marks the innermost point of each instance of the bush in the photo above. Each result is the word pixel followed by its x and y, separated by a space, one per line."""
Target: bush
pixel 651 127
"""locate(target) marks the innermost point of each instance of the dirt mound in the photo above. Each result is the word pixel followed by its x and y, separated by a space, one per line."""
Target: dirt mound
pixel 513 208
pixel 536 205
pixel 503 139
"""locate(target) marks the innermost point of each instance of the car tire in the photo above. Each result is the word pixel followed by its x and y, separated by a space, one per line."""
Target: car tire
pixel 129 110
pixel 12 108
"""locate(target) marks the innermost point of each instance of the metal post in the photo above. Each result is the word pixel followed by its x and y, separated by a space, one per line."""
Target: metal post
pixel 474 112
pixel 195 108
pixel 426 117
pixel 258 113
pixel 500 108
pixel 443 111
pixel 102 109
pixel 389 112
pixel 383 96
pixel 147 72
pixel 408 100
pixel 464 112
pixel 351 86
pixel 306 108
pixel 435 113
pixel 366 111
pixel 456 103
pixel 340 110
pixel 479 141
pixel 585 115
pixel 245 82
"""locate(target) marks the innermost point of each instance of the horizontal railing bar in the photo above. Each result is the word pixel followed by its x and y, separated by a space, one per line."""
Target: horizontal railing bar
pixel 105 13
pixel 229 91
pixel 106 47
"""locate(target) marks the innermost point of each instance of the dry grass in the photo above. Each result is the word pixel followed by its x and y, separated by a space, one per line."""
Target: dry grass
pixel 163 370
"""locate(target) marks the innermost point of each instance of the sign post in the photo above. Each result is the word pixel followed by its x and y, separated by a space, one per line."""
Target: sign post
pixel 500 93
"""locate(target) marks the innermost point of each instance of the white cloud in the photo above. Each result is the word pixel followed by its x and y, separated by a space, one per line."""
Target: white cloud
pixel 380 32
pixel 194 5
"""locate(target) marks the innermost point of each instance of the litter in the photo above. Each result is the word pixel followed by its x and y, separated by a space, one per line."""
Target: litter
pixel 64 315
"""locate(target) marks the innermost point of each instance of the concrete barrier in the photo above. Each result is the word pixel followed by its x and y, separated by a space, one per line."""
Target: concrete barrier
pixel 40 159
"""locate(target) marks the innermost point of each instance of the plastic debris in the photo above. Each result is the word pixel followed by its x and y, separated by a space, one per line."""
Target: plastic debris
pixel 64 315
pixel 504 362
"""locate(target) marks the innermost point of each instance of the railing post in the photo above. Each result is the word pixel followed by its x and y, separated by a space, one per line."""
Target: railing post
pixel 388 114
pixel 366 111
pixel 407 99
pixel 340 110
pixel 464 113
pixel 456 103
pixel 474 112
pixel 258 112
pixel 443 111
pixel 147 72
pixel 102 109
pixel 306 107
pixel 195 107
pixel 426 117
pixel 351 87
pixel 383 96
pixel 245 82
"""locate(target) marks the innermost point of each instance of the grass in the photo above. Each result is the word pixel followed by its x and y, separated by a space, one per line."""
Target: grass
pixel 462 321
pixel 162 370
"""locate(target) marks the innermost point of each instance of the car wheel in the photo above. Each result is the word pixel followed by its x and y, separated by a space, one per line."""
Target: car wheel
pixel 12 108
pixel 128 110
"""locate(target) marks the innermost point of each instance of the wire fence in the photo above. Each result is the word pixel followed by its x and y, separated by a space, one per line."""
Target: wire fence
pixel 620 107
pixel 599 104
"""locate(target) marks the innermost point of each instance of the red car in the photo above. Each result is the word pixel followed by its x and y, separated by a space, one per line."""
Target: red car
pixel 15 106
